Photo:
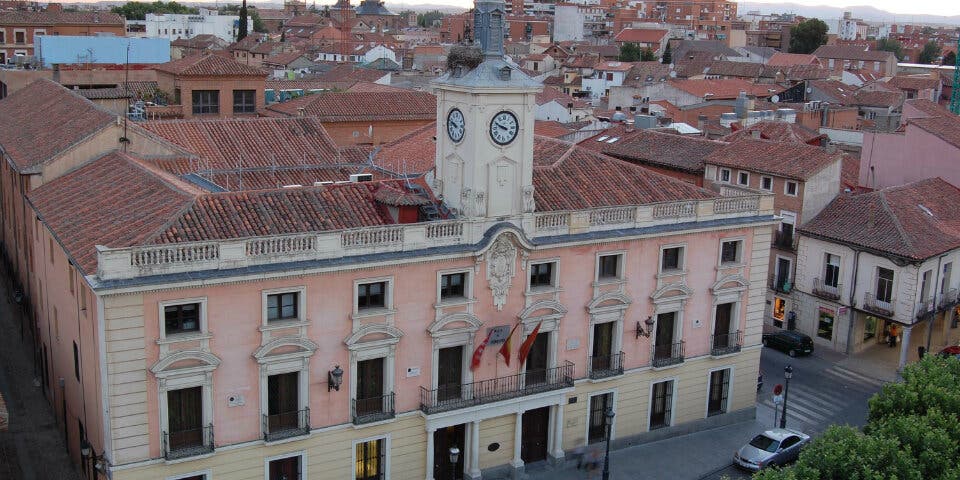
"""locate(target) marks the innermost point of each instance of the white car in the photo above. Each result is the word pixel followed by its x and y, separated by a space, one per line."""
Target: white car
pixel 778 446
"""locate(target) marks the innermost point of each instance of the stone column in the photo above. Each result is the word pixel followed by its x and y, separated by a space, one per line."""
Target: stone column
pixel 904 347
pixel 517 462
pixel 430 448
pixel 475 450
pixel 557 452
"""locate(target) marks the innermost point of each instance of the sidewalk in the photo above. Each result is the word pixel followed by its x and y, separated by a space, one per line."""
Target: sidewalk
pixel 669 459
pixel 32 448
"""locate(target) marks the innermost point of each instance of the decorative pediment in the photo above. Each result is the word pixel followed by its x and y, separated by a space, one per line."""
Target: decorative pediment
pixel 185 362
pixel 379 334
pixel 609 301
pixel 672 291
pixel 468 322
pixel 285 347
pixel 544 308
pixel 730 283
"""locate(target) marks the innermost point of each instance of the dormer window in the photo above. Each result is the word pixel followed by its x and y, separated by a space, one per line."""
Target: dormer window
pixel 505 73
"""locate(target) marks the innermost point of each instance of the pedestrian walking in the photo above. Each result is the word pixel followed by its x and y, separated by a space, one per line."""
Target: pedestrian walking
pixel 894 333
pixel 594 458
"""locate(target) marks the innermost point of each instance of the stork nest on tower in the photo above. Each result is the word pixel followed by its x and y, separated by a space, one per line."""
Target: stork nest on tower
pixel 467 57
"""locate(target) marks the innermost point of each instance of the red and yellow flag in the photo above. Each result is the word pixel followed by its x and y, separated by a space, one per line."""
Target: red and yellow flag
pixel 505 349
pixel 528 344
pixel 478 352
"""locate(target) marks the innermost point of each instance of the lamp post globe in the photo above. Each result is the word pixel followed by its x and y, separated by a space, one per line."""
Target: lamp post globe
pixel 454 457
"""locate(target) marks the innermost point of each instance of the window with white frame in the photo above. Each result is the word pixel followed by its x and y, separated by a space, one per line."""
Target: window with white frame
pixel 790 188
pixel 831 271
pixel 718 392
pixel 372 295
pixel 543 275
pixel 731 251
pixel 204 475
pixel 884 285
pixel 182 317
pixel 286 467
pixel 743 178
pixel 371 459
pixel 724 175
pixel 671 258
pixel 453 286
pixel 766 183
pixel 284 305
pixel 609 266
pixel 661 404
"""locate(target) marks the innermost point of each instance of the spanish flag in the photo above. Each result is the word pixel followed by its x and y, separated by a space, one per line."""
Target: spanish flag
pixel 505 349
pixel 528 343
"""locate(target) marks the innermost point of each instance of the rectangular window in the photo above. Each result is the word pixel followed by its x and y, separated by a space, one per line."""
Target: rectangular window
pixel 3 36
pixel 206 101
pixel 790 188
pixel 608 267
pixel 371 460
pixel 283 306
pixel 884 284
pixel 730 251
pixel 599 404
pixel 452 285
pixel 766 183
pixel 671 258
pixel 76 361
pixel 283 402
pixel 244 101
pixel 743 178
pixel 926 280
pixel 184 418
pixel 724 175
pixel 541 275
pixel 290 468
pixel 831 274
pixel 70 277
pixel 661 404
pixel 719 392
pixel 825 325
pixel 779 311
pixel 19 37
pixel 181 318
pixel 371 295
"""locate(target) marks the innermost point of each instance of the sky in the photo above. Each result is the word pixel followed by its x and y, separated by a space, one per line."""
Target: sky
pixel 904 7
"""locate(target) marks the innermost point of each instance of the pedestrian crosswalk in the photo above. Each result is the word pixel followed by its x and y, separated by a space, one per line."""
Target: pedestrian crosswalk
pixel 809 407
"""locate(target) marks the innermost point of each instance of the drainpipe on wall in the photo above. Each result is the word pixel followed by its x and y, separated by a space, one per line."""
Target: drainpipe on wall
pixel 852 302
pixel 933 316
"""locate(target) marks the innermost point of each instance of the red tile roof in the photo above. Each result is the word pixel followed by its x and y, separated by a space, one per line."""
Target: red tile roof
pixel 552 94
pixel 914 82
pixel 878 98
pixel 362 106
pixel 412 153
pixel 928 108
pixel 206 64
pixel 665 150
pixel 781 59
pixel 778 132
pixel 640 35
pixel 345 72
pixel 946 127
pixel 612 66
pixel 550 129
pixel 798 161
pixel 726 88
pixel 43 119
pixel 915 221
pixel 852 52
pixel 113 201
pixel 284 59
pixel 47 17
pixel 841 92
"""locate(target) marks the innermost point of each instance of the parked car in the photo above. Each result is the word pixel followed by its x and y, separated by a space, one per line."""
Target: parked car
pixel 791 342
pixel 950 351
pixel 778 446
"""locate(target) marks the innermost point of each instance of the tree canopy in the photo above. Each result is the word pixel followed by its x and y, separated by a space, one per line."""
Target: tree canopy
pixel 631 52
pixel 910 433
pixel 427 19
pixel 891 45
pixel 139 10
pixel 242 25
pixel 949 59
pixel 667 57
pixel 807 36
pixel 252 12
pixel 930 53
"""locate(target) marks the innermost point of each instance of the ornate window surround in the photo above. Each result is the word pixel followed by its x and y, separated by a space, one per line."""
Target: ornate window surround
pixel 199 375
pixel 297 361
pixel 444 337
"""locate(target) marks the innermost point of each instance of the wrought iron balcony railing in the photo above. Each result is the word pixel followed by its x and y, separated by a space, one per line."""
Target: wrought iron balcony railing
pixel 780 284
pixel 373 409
pixel 603 366
pixel 823 290
pixel 286 424
pixel 497 389
pixel 669 354
pixel 187 443
pixel 726 343
pixel 875 305
pixel 948 299
pixel 784 240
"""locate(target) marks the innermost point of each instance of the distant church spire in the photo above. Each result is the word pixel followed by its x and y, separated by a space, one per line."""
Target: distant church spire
pixel 488 26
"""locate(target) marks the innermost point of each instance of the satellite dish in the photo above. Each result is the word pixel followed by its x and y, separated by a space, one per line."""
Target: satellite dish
pixel 809 90
pixel 673 74
pixel 775 98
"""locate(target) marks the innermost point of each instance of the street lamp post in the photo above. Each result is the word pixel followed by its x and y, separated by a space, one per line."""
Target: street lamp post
pixel 454 456
pixel 608 421
pixel 787 375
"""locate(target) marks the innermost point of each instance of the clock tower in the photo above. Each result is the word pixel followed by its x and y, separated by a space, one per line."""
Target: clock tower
pixel 485 115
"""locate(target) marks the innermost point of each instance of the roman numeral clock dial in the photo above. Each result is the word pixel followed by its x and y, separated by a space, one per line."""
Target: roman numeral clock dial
pixel 503 128
pixel 455 125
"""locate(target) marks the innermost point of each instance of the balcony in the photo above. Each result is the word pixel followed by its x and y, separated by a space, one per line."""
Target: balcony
pixel 374 409
pixel 874 305
pixel 780 284
pixel 188 443
pixel 667 355
pixel 784 241
pixel 605 366
pixel 925 308
pixel 947 299
pixel 285 425
pixel 726 343
pixel 498 389
pixel 825 291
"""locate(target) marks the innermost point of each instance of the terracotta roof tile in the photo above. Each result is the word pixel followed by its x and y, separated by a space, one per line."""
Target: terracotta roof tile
pixel 782 59
pixel 879 98
pixel 915 221
pixel 946 127
pixel 552 94
pixel 206 64
pixel 914 82
pixel 852 52
pixel 640 35
pixel 47 17
pixel 412 153
pixel 662 150
pixel 778 132
pixel 928 108
pixel 44 119
pixel 344 72
pixel 725 88
pixel 550 129
pixel 362 106
pixel 798 161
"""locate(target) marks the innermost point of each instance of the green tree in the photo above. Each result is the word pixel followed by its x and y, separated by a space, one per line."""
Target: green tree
pixel 252 12
pixel 667 57
pixel 139 10
pixel 949 59
pixel 929 53
pixel 891 45
pixel 428 19
pixel 630 52
pixel 807 36
pixel 648 55
pixel 242 26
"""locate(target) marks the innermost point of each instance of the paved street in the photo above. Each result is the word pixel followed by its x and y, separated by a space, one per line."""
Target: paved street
pixel 821 394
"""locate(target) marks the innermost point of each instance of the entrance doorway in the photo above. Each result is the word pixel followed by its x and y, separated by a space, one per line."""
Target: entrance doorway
pixel 599 404
pixel 536 427
pixel 537 360
pixel 450 373
pixel 443 440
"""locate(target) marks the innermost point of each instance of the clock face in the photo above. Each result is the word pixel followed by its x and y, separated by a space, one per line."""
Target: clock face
pixel 504 128
pixel 455 125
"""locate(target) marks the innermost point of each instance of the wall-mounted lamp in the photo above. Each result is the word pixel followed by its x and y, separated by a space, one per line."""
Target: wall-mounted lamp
pixel 645 333
pixel 85 448
pixel 334 378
